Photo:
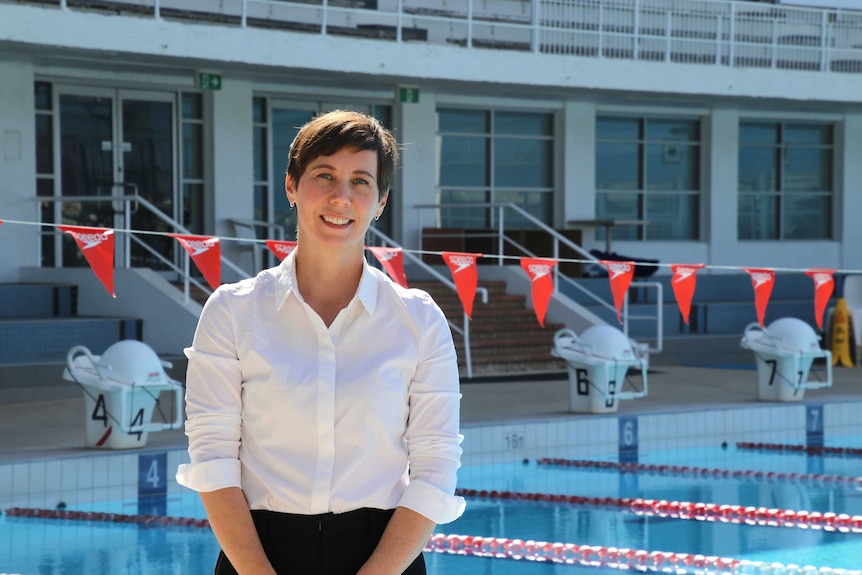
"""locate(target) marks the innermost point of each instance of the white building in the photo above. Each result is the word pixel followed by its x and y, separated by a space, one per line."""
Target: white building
pixel 731 131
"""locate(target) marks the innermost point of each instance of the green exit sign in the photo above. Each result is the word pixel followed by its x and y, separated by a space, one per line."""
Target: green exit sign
pixel 408 94
pixel 209 81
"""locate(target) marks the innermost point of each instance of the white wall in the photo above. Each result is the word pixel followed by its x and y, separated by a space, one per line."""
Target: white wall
pixel 850 178
pixel 18 243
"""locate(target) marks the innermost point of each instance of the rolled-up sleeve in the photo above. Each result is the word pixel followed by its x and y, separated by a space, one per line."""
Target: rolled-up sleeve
pixel 213 401
pixel 432 435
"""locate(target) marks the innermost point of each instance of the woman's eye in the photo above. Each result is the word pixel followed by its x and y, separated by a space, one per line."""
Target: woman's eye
pixel 360 181
pixel 325 176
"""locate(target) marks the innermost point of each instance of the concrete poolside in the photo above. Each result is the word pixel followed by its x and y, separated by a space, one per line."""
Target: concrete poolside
pixel 47 420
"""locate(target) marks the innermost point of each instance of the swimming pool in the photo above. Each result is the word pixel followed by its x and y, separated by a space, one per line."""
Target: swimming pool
pixel 590 481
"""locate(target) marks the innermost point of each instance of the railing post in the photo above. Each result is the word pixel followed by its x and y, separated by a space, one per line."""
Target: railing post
pixel 731 36
pixel 636 31
pixel 185 276
pixel 534 45
pixel 64 5
pixel 399 22
pixel 501 231
pixel 601 31
pixel 324 16
pixel 469 23
pixel 774 42
pixel 824 45
pixel 467 354
pixel 667 34
pixel 157 9
pixel 244 17
pixel 556 255
pixel 127 238
pixel 718 40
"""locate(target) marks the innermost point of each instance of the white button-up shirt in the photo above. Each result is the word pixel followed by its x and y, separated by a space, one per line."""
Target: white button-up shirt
pixel 308 419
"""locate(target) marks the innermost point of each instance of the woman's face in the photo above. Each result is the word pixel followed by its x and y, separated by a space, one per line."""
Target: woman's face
pixel 336 198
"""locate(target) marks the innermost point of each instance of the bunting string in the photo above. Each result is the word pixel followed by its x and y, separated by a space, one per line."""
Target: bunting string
pixel 96 244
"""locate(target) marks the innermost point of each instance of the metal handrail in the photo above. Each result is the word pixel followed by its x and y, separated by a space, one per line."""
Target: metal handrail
pixel 176 226
pixel 700 32
pixel 464 330
pixel 557 275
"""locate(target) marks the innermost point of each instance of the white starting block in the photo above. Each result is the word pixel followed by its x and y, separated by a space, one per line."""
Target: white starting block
pixel 785 351
pixel 121 390
pixel 598 363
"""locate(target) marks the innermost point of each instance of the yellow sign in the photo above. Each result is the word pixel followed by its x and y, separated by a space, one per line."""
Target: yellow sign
pixel 841 334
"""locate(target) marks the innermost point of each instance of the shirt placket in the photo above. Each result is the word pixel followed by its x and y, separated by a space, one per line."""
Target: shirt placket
pixel 325 419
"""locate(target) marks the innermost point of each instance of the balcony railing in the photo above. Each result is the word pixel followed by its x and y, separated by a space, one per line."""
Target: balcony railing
pixel 706 32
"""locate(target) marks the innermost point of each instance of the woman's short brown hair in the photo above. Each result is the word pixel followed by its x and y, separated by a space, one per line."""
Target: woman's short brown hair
pixel 328 133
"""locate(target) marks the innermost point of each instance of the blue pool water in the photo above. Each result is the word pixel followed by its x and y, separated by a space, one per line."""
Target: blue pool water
pixel 54 547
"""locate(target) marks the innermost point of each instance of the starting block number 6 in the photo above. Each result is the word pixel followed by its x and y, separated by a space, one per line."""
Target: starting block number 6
pixel 583 385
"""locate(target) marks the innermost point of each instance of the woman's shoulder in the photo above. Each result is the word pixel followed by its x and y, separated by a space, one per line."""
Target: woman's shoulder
pixel 246 288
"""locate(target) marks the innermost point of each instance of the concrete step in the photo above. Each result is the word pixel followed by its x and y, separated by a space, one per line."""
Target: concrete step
pixel 48 340
pixel 32 300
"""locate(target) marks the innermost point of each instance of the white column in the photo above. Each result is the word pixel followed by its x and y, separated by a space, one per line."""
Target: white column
pixel 577 160
pixel 232 158
pixel 417 182
pixel 19 244
pixel 719 219
pixel 848 191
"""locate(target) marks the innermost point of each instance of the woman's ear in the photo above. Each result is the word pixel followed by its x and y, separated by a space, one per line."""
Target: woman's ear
pixel 289 189
pixel 380 205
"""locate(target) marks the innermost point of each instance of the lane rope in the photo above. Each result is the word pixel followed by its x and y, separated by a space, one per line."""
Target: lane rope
pixel 738 514
pixel 514 549
pixel 838 481
pixel 797 449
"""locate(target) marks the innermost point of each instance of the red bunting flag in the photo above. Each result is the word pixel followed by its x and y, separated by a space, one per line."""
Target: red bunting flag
pixel 824 284
pixel 205 252
pixel 683 283
pixel 761 281
pixel 466 276
pixel 280 248
pixel 620 275
pixel 542 282
pixel 97 245
pixel 392 260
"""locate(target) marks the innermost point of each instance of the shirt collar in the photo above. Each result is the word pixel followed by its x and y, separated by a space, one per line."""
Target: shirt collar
pixel 286 284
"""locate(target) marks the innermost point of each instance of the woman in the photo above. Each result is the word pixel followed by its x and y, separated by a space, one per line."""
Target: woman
pixel 322 398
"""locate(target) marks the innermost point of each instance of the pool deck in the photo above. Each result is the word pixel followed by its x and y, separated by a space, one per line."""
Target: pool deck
pixel 47 420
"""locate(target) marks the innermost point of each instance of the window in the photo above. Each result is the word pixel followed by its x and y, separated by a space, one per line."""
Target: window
pixel 648 169
pixel 494 157
pixel 785 181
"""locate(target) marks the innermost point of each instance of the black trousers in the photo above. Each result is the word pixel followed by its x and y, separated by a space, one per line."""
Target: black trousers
pixel 328 544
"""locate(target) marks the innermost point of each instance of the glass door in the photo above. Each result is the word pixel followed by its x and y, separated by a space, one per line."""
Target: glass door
pixel 87 166
pixel 147 163
pixel 118 143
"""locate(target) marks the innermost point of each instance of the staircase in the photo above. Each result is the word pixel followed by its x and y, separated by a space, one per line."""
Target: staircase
pixel 506 339
pixel 39 323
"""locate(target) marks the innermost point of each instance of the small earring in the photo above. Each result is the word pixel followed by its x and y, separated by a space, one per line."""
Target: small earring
pixel 377 217
pixel 292 205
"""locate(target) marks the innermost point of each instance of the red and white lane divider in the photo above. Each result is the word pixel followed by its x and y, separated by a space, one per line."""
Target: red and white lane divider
pixel 739 514
pixel 800 449
pixel 516 549
pixel 112 517
pixel 737 474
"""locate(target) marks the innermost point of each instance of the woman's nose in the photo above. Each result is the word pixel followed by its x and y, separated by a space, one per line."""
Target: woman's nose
pixel 341 192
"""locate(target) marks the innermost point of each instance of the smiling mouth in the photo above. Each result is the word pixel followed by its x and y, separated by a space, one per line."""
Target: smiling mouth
pixel 336 221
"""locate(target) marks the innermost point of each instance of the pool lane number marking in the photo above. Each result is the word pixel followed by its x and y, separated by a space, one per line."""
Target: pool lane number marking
pixel 628 439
